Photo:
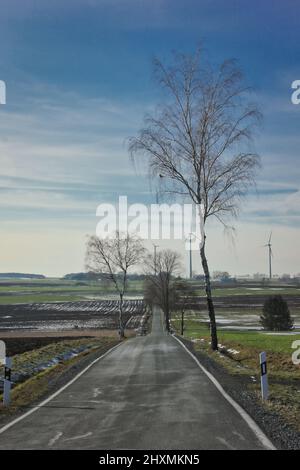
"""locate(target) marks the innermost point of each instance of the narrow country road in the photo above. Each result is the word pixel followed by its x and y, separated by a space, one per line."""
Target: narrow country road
pixel 148 393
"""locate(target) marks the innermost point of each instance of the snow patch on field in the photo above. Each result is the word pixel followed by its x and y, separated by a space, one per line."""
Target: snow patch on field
pixel 230 350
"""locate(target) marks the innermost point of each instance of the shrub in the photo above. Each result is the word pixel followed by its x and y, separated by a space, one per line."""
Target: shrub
pixel 276 315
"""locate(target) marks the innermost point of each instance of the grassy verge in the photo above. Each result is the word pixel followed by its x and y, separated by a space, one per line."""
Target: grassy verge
pixel 239 356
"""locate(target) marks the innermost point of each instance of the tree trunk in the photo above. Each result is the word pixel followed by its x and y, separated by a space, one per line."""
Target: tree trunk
pixel 182 322
pixel 167 317
pixel 121 325
pixel 167 308
pixel 210 304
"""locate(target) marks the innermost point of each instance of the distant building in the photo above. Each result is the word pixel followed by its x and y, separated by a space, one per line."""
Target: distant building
pixel 259 276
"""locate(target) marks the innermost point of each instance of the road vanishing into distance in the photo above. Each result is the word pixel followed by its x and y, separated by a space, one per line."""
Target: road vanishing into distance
pixel 148 393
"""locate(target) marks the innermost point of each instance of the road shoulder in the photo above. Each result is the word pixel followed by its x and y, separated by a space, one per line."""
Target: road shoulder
pixel 278 431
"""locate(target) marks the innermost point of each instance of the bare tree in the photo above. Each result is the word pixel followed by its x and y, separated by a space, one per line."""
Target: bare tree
pixel 115 256
pixel 199 141
pixel 159 284
pixel 185 296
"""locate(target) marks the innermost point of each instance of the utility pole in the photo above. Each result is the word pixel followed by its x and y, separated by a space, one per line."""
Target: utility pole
pixel 155 247
pixel 190 250
pixel 191 269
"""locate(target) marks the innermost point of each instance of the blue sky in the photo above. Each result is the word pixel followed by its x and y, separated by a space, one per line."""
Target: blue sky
pixel 79 81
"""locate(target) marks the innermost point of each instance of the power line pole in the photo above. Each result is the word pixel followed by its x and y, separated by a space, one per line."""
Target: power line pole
pixel 155 247
pixel 191 269
pixel 190 250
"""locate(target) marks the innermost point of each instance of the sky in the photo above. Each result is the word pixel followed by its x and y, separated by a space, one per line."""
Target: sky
pixel 79 81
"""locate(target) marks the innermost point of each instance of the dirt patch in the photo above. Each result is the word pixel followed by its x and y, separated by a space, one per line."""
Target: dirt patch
pixel 20 345
pixel 19 342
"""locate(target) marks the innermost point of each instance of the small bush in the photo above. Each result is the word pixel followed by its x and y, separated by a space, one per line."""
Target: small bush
pixel 276 315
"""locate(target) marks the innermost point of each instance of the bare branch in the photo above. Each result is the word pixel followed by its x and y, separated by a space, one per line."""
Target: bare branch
pixel 193 139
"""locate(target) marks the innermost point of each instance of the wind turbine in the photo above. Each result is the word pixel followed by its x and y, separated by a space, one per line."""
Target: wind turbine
pixel 269 245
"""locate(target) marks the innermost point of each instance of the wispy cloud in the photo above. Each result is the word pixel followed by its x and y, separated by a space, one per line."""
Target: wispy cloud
pixel 67 152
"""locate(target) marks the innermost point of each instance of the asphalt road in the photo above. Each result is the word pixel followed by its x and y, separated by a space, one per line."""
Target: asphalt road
pixel 148 393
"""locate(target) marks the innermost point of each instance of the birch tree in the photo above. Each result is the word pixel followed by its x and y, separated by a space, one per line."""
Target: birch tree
pixel 198 140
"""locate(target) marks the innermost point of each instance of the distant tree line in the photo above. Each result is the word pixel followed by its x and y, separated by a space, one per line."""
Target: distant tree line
pixel 21 276
pixel 94 276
